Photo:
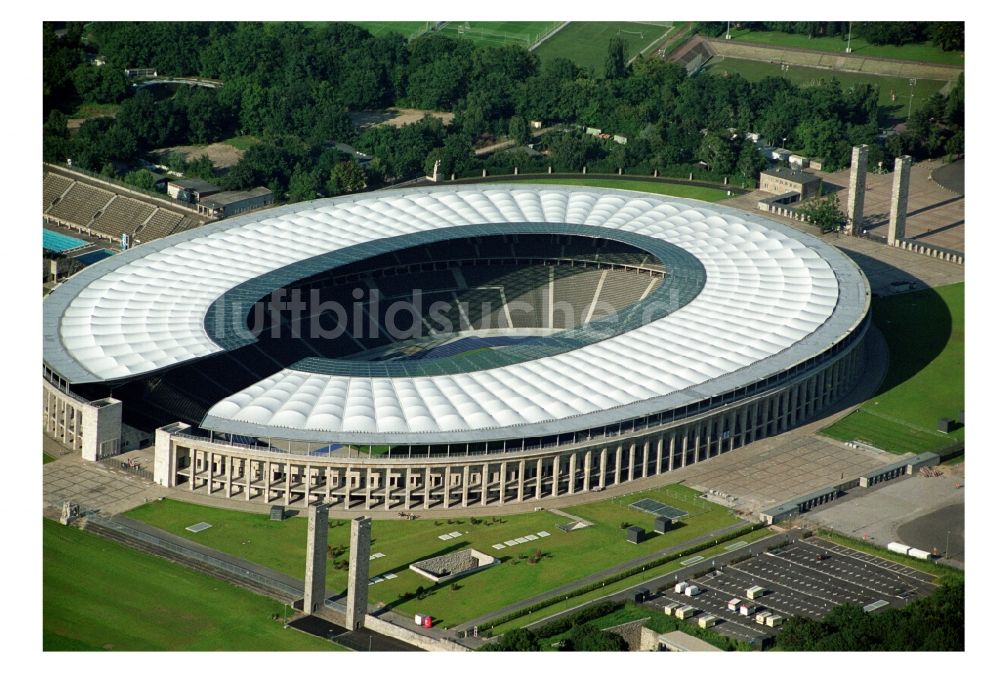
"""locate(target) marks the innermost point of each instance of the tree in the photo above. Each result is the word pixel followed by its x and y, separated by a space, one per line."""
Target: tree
pixel 751 162
pixel 201 167
pixel 716 151
pixel 303 185
pixel 346 177
pixel 588 638
pixel 824 212
pixel 515 640
pixel 615 62
pixel 518 130
pixel 142 179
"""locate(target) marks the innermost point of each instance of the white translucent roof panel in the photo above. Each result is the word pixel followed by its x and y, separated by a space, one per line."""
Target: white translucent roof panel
pixel 767 288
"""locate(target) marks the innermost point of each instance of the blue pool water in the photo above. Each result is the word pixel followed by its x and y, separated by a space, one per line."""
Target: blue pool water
pixel 58 242
pixel 94 256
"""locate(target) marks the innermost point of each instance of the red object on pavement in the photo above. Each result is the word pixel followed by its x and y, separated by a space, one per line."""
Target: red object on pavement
pixel 428 621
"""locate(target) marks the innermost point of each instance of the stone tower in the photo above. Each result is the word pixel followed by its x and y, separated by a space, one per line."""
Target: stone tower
pixel 900 194
pixel 357 573
pixel 856 189
pixel 315 587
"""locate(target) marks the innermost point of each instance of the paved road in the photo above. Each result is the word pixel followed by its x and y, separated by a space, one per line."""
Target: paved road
pixel 361 640
pixel 595 577
pixel 942 529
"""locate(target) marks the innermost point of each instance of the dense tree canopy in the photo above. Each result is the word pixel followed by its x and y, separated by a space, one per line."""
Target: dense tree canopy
pixel 292 87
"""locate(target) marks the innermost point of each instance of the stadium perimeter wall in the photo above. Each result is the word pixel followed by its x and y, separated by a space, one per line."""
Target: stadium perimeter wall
pixel 268 476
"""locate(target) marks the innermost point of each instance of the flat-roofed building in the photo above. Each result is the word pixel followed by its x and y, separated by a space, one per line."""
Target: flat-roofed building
pixel 191 190
pixel 230 203
pixel 781 180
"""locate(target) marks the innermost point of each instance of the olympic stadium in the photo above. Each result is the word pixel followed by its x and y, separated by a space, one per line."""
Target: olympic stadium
pixel 453 346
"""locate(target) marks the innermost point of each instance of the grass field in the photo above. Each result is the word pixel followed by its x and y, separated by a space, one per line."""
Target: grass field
pixel 567 556
pixel 99 595
pixel 585 43
pixel 242 142
pixel 925 51
pixel 495 33
pixel 86 111
pixel 925 331
pixel 758 70
pixel 673 189
pixel 46 458
pixel 408 29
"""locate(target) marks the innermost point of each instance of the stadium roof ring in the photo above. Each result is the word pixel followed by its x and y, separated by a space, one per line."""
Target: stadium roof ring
pixel 750 305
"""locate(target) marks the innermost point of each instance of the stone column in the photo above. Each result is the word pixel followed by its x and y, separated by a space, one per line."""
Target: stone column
pixel 357 572
pixel 520 481
pixel 571 486
pixel 465 485
pixel 631 460
pixel 539 466
pixel 856 189
pixel 671 450
pixel 427 487
pixel 503 482
pixel 555 474
pixel 645 458
pixel 659 454
pixel 315 584
pixel 484 483
pixel 618 464
pixel 900 195
pixel 288 483
pixel 447 486
pixel 603 467
pixel 408 492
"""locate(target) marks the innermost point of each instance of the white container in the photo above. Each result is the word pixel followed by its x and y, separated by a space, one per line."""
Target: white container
pixel 680 587
pixel 733 605
pixel 762 617
pixel 754 592
pixel 899 548
pixel 707 621
pixel 774 621
pixel 692 591
pixel 418 620
pixel 919 554
pixel 746 610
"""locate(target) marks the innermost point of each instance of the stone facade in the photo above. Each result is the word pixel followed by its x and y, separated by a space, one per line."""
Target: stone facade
pixel 267 476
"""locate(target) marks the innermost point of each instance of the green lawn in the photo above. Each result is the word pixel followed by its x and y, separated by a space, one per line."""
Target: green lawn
pixel 524 33
pixel 242 142
pixel 46 458
pixel 585 43
pixel 672 189
pixel 925 331
pixel 568 556
pixel 809 77
pixel 99 595
pixel 89 110
pixel 925 51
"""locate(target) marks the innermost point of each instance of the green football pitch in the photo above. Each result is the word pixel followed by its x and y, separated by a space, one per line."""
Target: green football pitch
pixel 810 77
pixel 925 331
pixel 585 43
pixel 495 33
pixel 924 51
pixel 99 595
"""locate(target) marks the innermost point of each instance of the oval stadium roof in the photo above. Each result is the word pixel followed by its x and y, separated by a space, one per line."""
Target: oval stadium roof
pixel 772 297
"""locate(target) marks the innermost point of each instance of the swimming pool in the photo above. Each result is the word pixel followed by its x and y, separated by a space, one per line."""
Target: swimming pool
pixel 94 256
pixel 58 242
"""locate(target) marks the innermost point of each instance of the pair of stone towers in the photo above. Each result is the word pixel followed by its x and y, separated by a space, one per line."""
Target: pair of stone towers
pixel 900 195
pixel 357 572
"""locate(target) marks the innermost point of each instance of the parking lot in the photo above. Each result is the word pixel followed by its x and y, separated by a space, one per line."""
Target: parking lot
pixel 807 578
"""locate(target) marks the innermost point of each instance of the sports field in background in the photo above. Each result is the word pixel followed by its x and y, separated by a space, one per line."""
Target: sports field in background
pixel 496 33
pixel 925 51
pixel 99 595
pixel 585 43
pixel 758 70
pixel 567 555
pixel 925 331
pixel 674 189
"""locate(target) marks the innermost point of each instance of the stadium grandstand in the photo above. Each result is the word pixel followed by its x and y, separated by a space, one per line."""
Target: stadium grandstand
pixel 107 211
pixel 456 346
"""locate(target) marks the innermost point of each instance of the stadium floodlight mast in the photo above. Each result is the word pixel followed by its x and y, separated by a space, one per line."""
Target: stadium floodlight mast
pixel 848 50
